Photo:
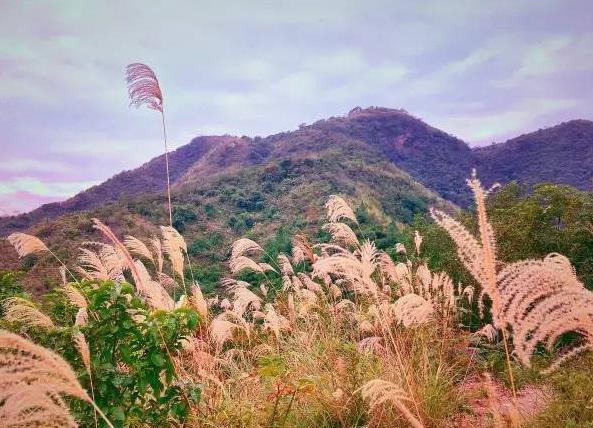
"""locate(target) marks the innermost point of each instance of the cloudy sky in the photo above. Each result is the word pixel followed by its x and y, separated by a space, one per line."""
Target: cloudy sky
pixel 481 70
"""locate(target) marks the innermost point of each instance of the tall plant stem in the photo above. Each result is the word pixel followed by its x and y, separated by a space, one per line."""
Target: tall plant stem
pixel 509 368
pixel 488 240
pixel 109 424
pixel 167 167
pixel 93 397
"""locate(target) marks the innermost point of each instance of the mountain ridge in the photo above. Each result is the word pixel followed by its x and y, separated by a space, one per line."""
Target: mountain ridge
pixel 439 161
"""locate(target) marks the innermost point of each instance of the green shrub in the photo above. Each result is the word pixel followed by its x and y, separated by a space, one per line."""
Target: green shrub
pixel 131 349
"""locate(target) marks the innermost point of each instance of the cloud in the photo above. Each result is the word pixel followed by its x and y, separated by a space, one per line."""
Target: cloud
pixel 479 70
pixel 42 188
pixel 498 126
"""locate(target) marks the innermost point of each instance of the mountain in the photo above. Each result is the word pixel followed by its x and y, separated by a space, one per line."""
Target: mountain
pixel 435 159
pixel 560 154
pixel 385 161
pixel 394 135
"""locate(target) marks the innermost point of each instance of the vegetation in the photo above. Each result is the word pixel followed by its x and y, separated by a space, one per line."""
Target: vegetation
pixel 356 325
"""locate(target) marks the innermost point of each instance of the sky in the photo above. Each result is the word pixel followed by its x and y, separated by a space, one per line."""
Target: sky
pixel 483 71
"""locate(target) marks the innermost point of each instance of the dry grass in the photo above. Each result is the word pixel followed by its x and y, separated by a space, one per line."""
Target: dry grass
pixel 536 301
pixel 350 338
pixel 33 381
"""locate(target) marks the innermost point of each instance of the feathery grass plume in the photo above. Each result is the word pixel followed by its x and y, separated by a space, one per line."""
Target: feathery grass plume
pixel 488 242
pixel 173 246
pixel 487 332
pixel 29 407
pixel 82 317
pixel 378 392
pixel 288 284
pixel 412 309
pixel 355 268
pixel 302 249
pixel 137 247
pixel 371 344
pixel 335 291
pixel 309 283
pixel 437 288
pixel 337 209
pixel 26 244
pixel 368 255
pixel 82 347
pixel 75 296
pixel 244 246
pixel 468 249
pixel 108 263
pixel 400 248
pixel 469 292
pixel 296 283
pixel 542 300
pixel 121 250
pixel 387 267
pixel 307 300
pixel 166 281
pixel 154 293
pixel 417 241
pixel 114 260
pixel 479 258
pixel 197 300
pixel 274 322
pixel 345 305
pixel 91 266
pixel 33 380
pixel 342 234
pixel 155 243
pixel 267 267
pixel 225 304
pixel 285 265
pixel 298 256
pixel 245 299
pixel 17 309
pixel 224 325
pixel 240 263
pixel 144 89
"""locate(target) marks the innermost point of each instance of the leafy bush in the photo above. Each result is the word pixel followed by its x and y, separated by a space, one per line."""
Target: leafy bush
pixel 182 216
pixel 131 349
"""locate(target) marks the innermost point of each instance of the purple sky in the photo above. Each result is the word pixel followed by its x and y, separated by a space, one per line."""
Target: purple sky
pixel 483 71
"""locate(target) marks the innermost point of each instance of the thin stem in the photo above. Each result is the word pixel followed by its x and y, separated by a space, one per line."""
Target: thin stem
pixel 508 359
pixel 63 264
pixel 93 396
pixel 167 167
pixel 292 397
pixel 273 417
pixel 102 414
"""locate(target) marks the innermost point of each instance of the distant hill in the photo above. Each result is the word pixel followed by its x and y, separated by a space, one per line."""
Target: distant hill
pixel 560 154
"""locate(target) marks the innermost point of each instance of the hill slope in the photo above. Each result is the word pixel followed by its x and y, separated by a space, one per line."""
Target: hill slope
pixel 560 154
